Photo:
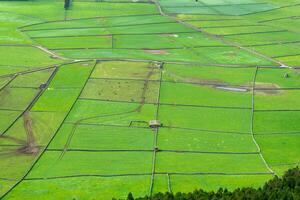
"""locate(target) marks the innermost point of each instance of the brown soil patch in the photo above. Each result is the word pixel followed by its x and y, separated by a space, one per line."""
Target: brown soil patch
pixel 156 51
pixel 30 146
pixel 267 89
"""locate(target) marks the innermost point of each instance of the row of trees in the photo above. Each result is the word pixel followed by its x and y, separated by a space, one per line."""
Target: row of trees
pixel 285 188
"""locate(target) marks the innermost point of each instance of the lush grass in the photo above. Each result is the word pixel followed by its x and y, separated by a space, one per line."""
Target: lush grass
pixel 76 42
pixel 94 137
pixel 208 74
pixel 87 163
pixel 92 187
pixel 188 140
pixel 101 22
pixel 280 150
pixel 281 100
pixel 203 55
pixel 139 32
pixel 110 113
pixel 26 57
pixel 215 182
pixel 208 163
pixel 278 77
pixel 216 119
pixel 207 95
pixel 276 122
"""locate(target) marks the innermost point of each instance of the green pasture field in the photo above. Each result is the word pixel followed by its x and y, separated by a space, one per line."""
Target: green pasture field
pixel 76 163
pixel 101 137
pixel 78 89
pixel 197 162
pixel 205 141
pixel 193 94
pixel 126 70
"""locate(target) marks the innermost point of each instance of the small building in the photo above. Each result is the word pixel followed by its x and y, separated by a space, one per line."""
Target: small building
pixel 154 124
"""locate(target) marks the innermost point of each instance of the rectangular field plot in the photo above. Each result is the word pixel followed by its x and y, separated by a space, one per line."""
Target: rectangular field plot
pixel 151 29
pixel 278 78
pixel 121 30
pixel 81 187
pixel 208 23
pixel 72 75
pixel 95 137
pixel 126 70
pixel 122 90
pixel 209 163
pixel 160 183
pixel 208 74
pixel 279 50
pixel 112 113
pixel 76 42
pixel 16 98
pixel 102 22
pixel 175 40
pixel 264 38
pixel 106 9
pixel 67 33
pixel 204 95
pixel 192 140
pixel 44 125
pixel 276 122
pixel 91 163
pixel 281 100
pixel 213 119
pixel 203 55
pixel 214 182
pixel 239 30
pixel 281 151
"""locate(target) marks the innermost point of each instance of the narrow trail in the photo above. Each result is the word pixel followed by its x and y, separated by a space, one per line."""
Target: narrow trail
pixel 252 126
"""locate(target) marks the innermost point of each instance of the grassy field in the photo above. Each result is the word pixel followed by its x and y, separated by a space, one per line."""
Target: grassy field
pixel 79 87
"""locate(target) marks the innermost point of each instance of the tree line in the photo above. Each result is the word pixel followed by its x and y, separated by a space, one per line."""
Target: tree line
pixel 286 187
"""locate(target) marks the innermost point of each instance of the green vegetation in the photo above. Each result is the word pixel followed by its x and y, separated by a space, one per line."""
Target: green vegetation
pixel 79 87
pixel 286 187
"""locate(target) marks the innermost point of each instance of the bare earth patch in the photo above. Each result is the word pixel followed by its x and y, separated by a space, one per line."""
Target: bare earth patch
pixel 267 89
pixel 155 51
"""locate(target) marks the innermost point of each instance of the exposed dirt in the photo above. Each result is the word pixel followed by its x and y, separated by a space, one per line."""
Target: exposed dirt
pixel 145 88
pixel 156 51
pixel 267 89
pixel 30 146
